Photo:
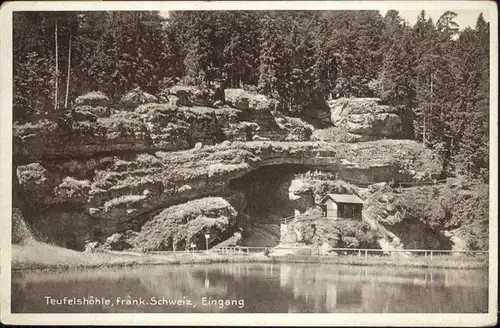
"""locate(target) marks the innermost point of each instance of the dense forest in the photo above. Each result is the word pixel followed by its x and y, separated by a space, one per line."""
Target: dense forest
pixel 437 74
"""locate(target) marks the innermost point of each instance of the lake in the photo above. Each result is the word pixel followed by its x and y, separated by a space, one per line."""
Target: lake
pixel 252 287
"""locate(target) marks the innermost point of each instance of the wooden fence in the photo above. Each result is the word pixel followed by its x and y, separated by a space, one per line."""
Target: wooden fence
pixel 401 184
pixel 360 252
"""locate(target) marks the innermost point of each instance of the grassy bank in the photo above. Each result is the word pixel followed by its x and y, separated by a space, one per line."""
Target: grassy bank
pixel 443 262
pixel 40 256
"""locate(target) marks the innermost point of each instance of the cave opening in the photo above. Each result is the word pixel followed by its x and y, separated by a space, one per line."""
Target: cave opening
pixel 267 200
pixel 266 191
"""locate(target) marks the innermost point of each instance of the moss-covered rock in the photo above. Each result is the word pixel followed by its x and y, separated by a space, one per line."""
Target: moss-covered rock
pixel 94 98
pixel 366 116
pixel 249 101
pixel 310 229
pixel 177 227
pixel 99 111
pixel 193 95
pixel 136 97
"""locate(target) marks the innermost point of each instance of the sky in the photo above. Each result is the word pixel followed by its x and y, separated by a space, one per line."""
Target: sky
pixel 464 17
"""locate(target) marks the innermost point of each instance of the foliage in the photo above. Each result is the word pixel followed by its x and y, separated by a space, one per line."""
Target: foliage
pixel 436 74
pixel 345 233
pixel 463 210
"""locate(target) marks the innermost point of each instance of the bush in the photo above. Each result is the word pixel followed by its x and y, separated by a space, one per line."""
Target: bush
pixel 450 208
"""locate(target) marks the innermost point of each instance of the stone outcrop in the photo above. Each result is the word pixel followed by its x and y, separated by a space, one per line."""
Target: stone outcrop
pixel 94 98
pixel 249 101
pixel 257 108
pixel 194 95
pixel 91 130
pixel 157 174
pixel 148 127
pixel 366 117
pixel 116 192
pixel 136 97
pixel 357 120
pixel 326 235
pixel 181 225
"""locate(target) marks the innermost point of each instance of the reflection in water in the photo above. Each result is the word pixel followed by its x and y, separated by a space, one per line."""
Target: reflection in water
pixel 254 287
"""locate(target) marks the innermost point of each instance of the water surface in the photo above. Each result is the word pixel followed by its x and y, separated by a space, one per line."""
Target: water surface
pixel 252 287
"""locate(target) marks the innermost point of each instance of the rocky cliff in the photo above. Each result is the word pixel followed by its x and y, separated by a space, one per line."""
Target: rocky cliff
pixel 359 119
pixel 444 215
pixel 164 171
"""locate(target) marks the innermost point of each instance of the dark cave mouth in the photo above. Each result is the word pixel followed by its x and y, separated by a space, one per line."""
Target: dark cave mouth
pixel 266 191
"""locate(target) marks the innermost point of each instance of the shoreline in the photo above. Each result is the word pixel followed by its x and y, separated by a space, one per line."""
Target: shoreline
pixel 44 257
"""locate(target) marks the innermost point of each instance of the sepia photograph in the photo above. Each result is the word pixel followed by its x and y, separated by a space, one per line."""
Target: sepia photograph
pixel 240 163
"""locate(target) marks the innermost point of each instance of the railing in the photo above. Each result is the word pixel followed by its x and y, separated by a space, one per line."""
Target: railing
pixel 287 219
pixel 397 184
pixel 178 251
pixel 240 249
pixel 364 252
pixel 359 252
pixel 229 249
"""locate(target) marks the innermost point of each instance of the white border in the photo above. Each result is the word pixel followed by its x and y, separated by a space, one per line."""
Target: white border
pixel 317 319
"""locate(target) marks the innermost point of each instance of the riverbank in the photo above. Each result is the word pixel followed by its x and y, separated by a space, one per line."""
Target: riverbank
pixel 441 262
pixel 41 256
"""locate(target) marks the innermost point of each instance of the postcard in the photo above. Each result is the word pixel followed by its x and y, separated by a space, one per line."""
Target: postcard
pixel 298 163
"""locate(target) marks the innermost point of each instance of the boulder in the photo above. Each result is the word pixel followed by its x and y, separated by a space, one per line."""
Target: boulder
pixel 36 181
pixel 119 241
pixel 380 186
pixel 21 232
pixel 94 98
pixel 84 115
pixel 218 103
pixel 198 145
pixel 137 97
pixel 366 116
pixel 91 246
pixel 173 100
pixel 246 100
pixel 179 226
pixel 298 134
pixel 72 190
pixel 193 95
pixel 98 111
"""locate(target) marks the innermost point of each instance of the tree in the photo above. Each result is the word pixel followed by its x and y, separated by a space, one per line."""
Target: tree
pixel 56 99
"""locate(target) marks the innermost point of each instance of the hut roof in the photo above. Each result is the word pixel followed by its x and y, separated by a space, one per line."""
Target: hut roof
pixel 343 198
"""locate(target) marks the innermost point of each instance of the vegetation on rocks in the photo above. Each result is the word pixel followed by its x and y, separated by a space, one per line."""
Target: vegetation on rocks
pixel 311 229
pixel 189 105
pixel 136 97
pixel 94 98
pixel 435 72
pixel 460 213
pixel 177 227
pixel 441 216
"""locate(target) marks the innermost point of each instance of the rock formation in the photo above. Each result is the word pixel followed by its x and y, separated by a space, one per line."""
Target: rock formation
pixel 360 119
pixel 139 168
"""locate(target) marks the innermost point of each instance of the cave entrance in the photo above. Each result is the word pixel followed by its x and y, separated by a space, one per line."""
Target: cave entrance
pixel 266 192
